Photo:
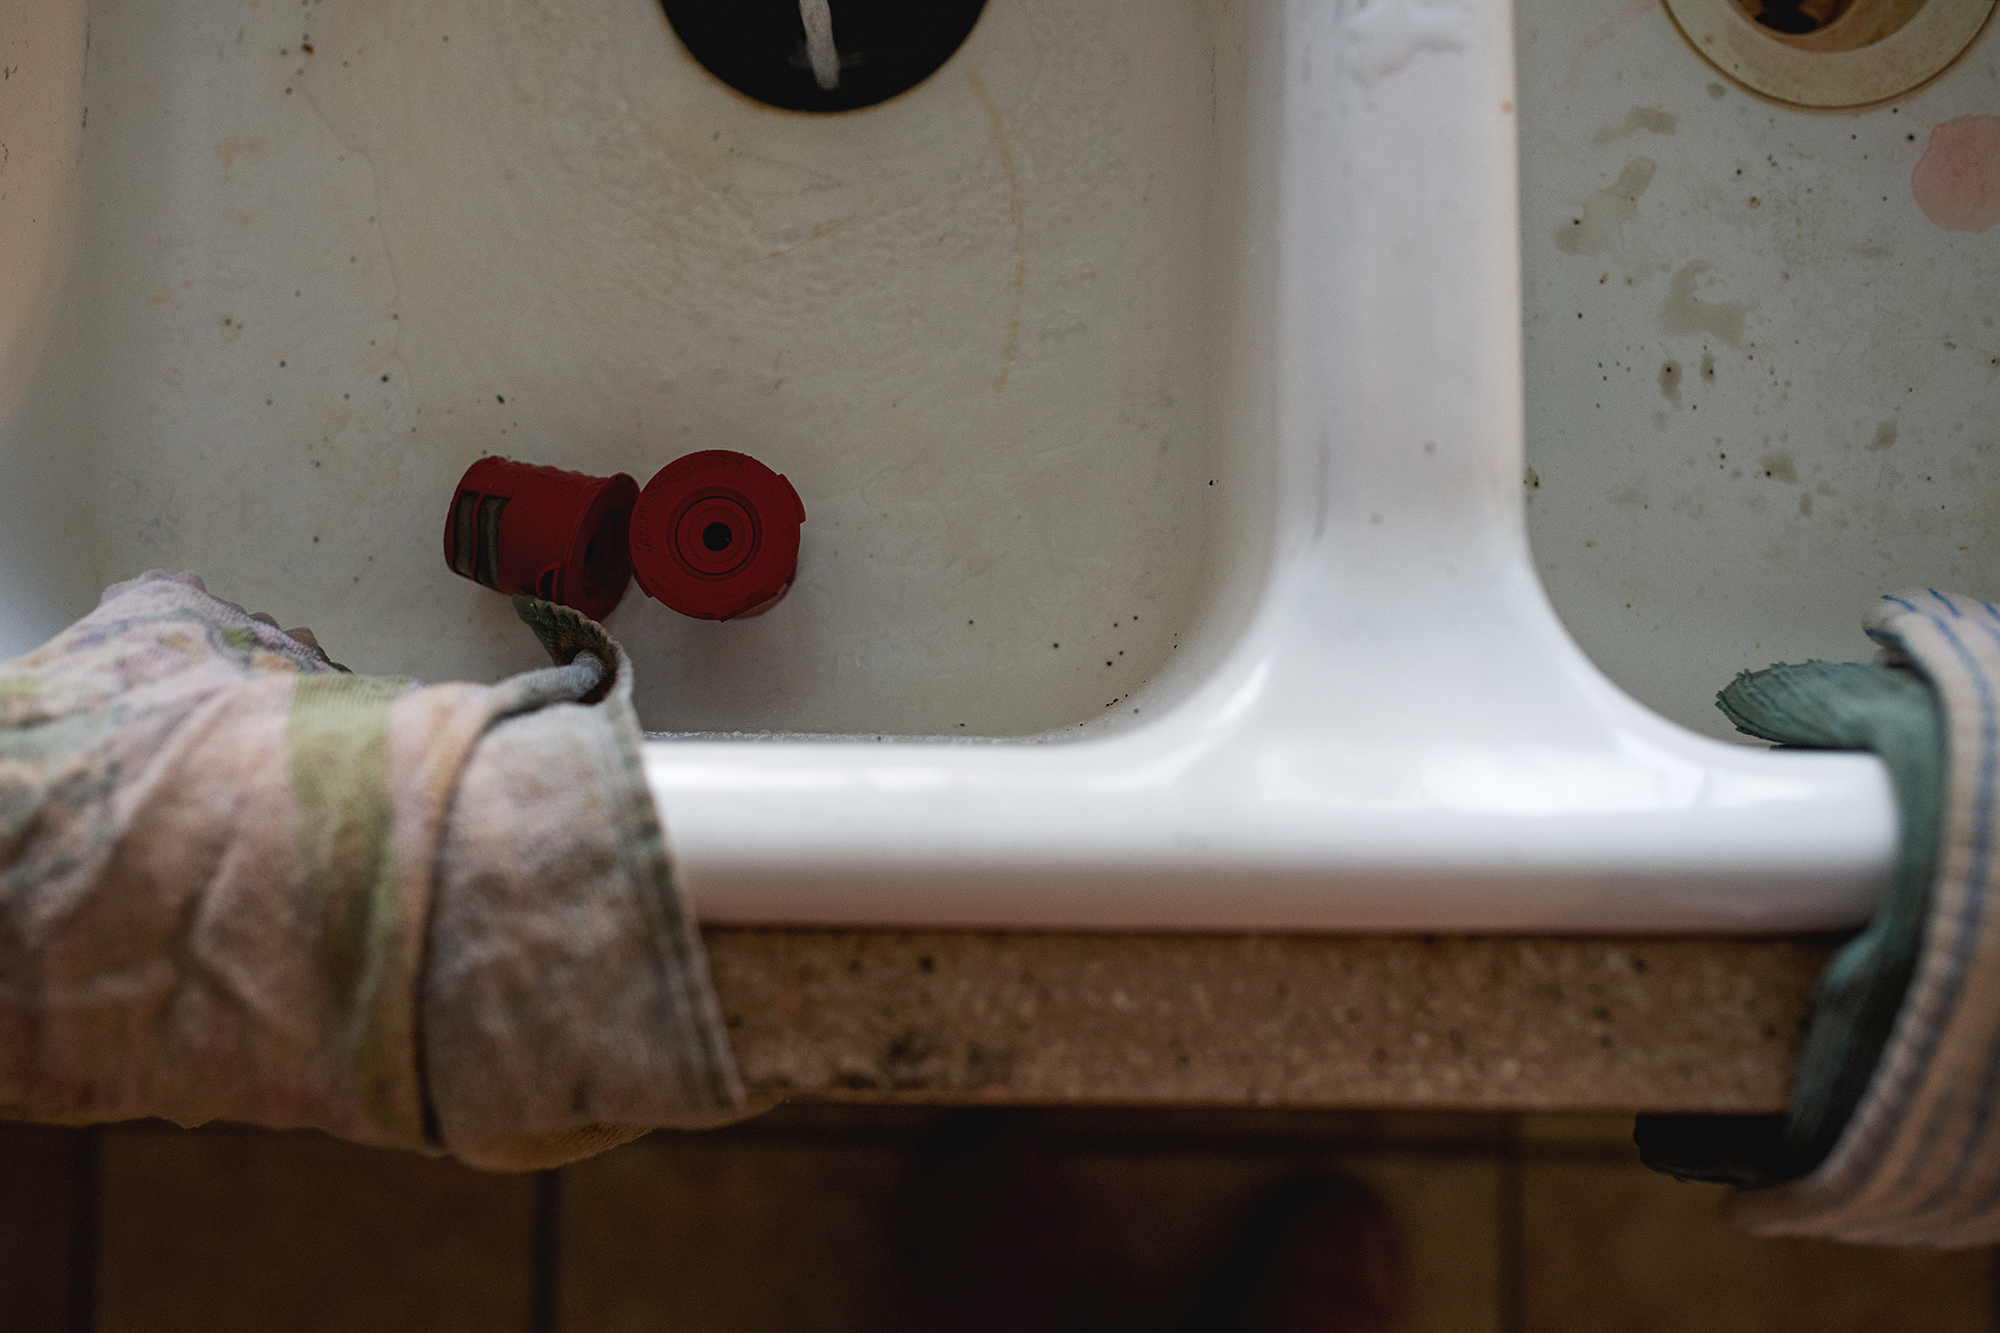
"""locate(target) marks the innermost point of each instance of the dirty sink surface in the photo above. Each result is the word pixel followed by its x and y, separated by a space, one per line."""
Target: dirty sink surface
pixel 1763 372
pixel 325 257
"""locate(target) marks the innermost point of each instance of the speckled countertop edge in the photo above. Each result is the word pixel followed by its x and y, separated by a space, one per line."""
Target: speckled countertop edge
pixel 1475 1024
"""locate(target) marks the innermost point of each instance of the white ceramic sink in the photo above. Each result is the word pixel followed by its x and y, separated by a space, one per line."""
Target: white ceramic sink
pixel 1152 377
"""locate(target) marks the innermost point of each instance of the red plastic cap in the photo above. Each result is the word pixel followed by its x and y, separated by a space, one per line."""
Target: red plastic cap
pixel 716 535
pixel 557 535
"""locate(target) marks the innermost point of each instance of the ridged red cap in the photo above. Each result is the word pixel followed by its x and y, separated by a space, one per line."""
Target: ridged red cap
pixel 715 535
pixel 560 536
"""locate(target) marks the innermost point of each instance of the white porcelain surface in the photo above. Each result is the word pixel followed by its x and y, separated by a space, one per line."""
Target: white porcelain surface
pixel 1184 335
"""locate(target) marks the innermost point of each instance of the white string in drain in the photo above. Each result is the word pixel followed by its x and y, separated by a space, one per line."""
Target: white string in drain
pixel 818 18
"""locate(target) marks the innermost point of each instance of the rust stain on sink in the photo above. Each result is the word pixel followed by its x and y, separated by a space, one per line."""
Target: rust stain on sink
pixel 231 149
pixel 1020 229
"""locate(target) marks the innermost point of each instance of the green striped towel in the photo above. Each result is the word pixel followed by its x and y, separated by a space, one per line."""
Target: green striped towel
pixel 1894 1133
pixel 238 882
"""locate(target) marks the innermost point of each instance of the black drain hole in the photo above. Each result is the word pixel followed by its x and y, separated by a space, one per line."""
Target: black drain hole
pixel 758 47
pixel 717 536
pixel 1795 17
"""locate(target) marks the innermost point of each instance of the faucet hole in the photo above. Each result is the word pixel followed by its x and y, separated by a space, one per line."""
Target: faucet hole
pixel 717 536
pixel 822 55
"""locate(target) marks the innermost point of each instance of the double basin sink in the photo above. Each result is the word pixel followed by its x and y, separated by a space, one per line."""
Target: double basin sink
pixel 1154 375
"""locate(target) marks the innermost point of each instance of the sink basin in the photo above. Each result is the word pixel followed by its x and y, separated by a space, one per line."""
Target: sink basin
pixel 1763 382
pixel 1151 375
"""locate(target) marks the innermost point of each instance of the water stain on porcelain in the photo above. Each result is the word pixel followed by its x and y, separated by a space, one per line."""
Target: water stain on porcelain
pixel 1683 312
pixel 1599 229
pixel 1384 36
pixel 1646 118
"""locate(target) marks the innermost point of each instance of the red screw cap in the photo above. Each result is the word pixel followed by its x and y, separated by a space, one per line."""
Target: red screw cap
pixel 557 535
pixel 716 535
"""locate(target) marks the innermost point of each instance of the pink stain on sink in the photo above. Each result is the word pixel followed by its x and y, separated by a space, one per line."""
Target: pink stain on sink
pixel 1957 182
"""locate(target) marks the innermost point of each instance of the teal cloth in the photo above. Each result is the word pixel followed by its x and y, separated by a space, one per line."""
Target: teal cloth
pixel 1892 711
